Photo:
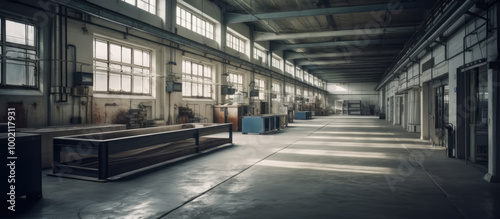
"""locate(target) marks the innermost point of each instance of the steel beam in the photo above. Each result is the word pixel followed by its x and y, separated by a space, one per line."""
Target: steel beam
pixel 361 43
pixel 337 62
pixel 267 36
pixel 370 53
pixel 240 18
pixel 346 66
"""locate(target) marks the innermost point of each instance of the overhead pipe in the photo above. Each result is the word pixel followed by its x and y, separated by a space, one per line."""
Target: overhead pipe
pixel 454 11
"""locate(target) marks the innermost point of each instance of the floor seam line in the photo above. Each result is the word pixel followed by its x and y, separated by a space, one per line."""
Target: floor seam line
pixel 235 175
pixel 432 179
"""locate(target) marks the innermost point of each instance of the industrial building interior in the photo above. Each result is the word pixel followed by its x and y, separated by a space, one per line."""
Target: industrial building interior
pixel 250 108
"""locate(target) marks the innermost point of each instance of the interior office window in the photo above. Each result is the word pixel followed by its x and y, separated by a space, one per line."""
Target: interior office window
pixel 196 80
pixel 276 62
pixel 259 54
pixel 289 68
pixel 235 43
pixel 194 23
pixel 19 51
pixel 146 5
pixel 261 86
pixel 120 68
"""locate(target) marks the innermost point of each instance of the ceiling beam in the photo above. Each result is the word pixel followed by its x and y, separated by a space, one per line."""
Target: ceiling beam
pixel 240 18
pixel 361 43
pixel 345 66
pixel 336 62
pixel 266 36
pixel 353 71
pixel 379 52
pixel 349 80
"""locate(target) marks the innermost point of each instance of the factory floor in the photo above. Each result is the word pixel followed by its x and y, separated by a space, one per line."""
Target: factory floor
pixel 327 167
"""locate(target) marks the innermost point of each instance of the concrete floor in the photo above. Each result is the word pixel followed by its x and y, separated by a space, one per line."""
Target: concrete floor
pixel 328 167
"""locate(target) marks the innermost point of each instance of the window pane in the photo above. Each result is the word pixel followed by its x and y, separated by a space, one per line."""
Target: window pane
pixel 16 72
pixel 101 81
pixel 178 16
pixel 126 55
pixel 137 71
pixel 137 84
pixel 207 92
pixel 31 35
pixel 142 5
pixel 114 82
pixel 188 89
pixel 101 50
pixel 115 52
pixel 145 59
pixel 126 83
pixel 115 68
pixel 145 84
pixel 195 90
pixel 31 75
pixel 15 32
pixel 137 57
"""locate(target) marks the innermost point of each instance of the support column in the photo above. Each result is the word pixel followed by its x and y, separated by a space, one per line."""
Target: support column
pixel 493 126
pixel 424 112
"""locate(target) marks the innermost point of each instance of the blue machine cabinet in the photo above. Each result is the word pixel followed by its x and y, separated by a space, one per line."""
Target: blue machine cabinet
pixel 303 115
pixel 260 124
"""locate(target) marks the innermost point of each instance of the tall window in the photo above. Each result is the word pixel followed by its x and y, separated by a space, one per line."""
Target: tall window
pixel 299 92
pixel 277 62
pixel 259 54
pixel 19 54
pixel 289 90
pixel 277 89
pixel 289 68
pixel 195 23
pixel 146 5
pixel 196 80
pixel 306 77
pixel 298 74
pixel 236 80
pixel 235 43
pixel 121 68
pixel 261 86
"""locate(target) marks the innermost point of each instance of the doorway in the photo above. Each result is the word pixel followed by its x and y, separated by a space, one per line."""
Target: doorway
pixel 477 115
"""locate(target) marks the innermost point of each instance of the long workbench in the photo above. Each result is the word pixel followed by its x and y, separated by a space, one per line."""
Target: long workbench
pixel 100 156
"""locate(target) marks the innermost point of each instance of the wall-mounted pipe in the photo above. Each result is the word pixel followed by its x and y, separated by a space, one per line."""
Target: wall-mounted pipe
pixel 454 11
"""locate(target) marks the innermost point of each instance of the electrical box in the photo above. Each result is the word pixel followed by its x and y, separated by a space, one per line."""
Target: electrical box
pixel 174 86
pixel 227 90
pixel 254 93
pixel 83 79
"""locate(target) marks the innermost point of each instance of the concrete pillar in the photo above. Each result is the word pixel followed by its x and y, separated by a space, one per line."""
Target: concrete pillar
pixel 493 126
pixel 424 112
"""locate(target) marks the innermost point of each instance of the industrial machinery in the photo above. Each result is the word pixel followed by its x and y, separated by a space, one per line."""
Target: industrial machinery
pixel 231 114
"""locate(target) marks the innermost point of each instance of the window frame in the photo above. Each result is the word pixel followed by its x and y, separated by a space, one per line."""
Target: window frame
pixel 260 85
pixel 203 80
pixel 263 52
pixel 133 66
pixel 30 54
pixel 148 3
pixel 276 59
pixel 232 39
pixel 190 21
